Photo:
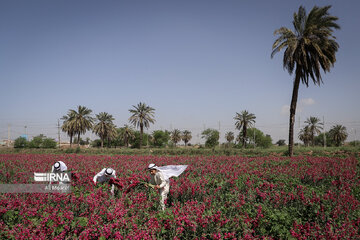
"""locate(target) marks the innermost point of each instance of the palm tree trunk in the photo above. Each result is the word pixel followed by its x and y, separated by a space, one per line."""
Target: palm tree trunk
pixel 102 142
pixel 293 110
pixel 244 135
pixel 141 134
pixel 71 135
pixel 79 139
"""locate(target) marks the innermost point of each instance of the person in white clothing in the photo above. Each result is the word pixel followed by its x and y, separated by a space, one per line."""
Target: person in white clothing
pixel 104 176
pixel 160 178
pixel 58 167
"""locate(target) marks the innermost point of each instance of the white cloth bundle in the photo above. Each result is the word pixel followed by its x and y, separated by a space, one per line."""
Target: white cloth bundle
pixel 169 170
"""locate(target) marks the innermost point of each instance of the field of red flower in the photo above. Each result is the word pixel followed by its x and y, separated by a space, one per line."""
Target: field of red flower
pixel 215 198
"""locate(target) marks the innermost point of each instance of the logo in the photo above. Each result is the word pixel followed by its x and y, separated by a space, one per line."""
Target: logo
pixel 52 177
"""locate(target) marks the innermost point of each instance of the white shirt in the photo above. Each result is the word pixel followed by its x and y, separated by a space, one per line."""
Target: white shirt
pixel 102 177
pixel 62 168
pixel 159 179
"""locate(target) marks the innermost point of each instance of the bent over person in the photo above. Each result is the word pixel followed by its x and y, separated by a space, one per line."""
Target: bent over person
pixel 104 176
pixel 58 167
pixel 160 177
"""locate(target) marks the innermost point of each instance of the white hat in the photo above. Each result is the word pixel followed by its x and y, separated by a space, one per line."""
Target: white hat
pixel 152 166
pixel 108 171
pixel 57 165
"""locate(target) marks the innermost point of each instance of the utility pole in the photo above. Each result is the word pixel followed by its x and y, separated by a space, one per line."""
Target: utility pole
pixel 324 132
pixel 8 143
pixel 59 132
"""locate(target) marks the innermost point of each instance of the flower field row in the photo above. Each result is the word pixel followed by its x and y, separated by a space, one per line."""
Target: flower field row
pixel 228 197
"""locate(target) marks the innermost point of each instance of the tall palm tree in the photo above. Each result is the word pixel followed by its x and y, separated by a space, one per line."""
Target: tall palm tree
pixel 305 135
pixel 244 120
pixel 229 136
pixel 82 120
pixel 309 49
pixel 186 136
pixel 104 126
pixel 314 126
pixel 68 125
pixel 142 116
pixel 338 134
pixel 175 136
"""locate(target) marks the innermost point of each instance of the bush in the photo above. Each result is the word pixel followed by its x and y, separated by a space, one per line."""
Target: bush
pixel 36 142
pixel 211 136
pixel 20 142
pixel 48 143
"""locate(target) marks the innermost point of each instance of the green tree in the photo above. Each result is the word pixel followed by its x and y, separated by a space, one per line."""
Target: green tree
pixel 160 138
pixel 211 137
pixel 175 136
pixel 68 125
pixel 127 134
pixel 37 141
pixel 48 143
pixel 281 142
pixel 314 128
pixel 244 120
pixel 81 120
pixel 319 140
pixel 338 134
pixel 261 140
pixel 20 142
pixel 139 139
pixel 310 48
pixel 305 135
pixel 104 126
pixel 142 116
pixel 186 136
pixel 229 136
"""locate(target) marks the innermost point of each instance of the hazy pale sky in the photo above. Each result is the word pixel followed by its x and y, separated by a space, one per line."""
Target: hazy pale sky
pixel 196 62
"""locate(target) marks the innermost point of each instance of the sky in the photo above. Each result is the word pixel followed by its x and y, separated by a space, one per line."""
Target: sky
pixel 197 63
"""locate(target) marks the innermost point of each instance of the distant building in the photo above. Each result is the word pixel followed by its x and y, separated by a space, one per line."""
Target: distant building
pixel 6 143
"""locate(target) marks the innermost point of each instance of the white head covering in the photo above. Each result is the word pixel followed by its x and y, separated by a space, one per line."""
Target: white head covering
pixel 57 165
pixel 108 171
pixel 152 166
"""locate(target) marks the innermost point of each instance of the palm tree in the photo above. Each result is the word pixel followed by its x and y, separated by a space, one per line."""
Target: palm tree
pixel 229 136
pixel 142 116
pixel 305 135
pixel 81 121
pixel 243 121
pixel 68 126
pixel 112 133
pixel 127 134
pixel 314 126
pixel 104 127
pixel 338 134
pixel 186 136
pixel 310 48
pixel 175 136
